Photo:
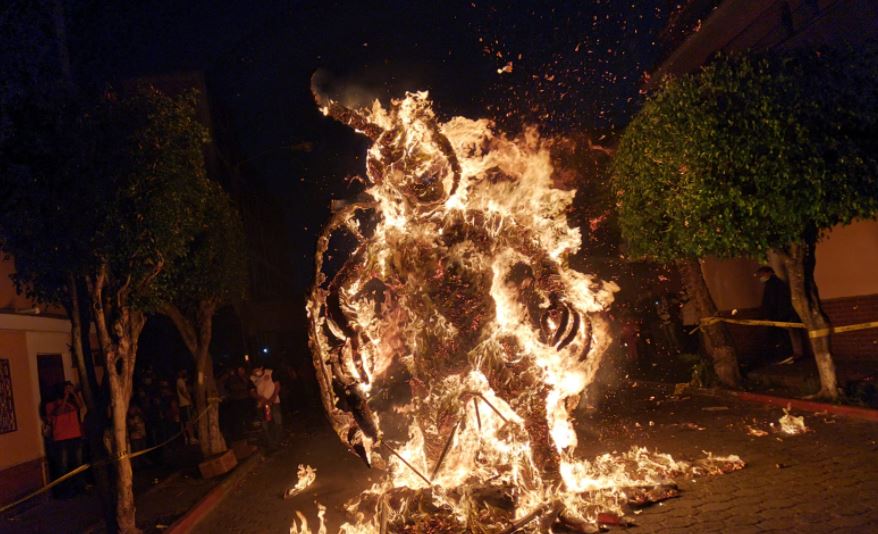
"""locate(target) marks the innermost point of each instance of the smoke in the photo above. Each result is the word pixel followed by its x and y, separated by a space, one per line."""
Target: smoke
pixel 353 95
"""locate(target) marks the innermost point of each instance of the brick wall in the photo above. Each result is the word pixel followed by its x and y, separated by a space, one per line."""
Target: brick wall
pixel 859 345
pixel 856 346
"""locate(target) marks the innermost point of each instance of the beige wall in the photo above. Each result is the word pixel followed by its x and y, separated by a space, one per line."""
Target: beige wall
pixel 731 283
pixel 26 443
pixel 24 336
pixel 847 266
pixel 847 261
pixel 22 339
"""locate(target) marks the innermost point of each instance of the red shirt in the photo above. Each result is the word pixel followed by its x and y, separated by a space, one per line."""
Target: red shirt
pixel 64 418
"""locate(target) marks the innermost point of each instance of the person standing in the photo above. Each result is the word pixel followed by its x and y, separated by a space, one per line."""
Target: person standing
pixel 267 394
pixel 63 415
pixel 184 403
pixel 777 305
pixel 240 402
pixel 136 430
pixel 168 418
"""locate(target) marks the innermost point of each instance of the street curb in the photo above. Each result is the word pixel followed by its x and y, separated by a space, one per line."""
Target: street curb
pixel 806 405
pixel 97 525
pixel 214 497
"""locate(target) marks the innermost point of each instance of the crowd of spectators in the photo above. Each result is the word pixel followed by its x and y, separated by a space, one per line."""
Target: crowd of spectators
pixel 162 414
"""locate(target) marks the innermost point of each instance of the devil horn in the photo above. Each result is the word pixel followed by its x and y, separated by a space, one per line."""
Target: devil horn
pixel 343 114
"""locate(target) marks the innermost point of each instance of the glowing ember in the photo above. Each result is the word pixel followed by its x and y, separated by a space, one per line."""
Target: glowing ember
pixel 455 341
pixel 759 433
pixel 306 475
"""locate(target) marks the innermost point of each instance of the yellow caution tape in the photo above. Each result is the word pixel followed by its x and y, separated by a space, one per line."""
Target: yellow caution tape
pixel 754 322
pixel 85 467
pixel 822 332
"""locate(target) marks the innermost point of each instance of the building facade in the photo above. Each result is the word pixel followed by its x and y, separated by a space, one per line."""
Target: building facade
pixel 847 257
pixel 34 358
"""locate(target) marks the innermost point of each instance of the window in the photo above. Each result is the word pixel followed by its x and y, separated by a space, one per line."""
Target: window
pixel 7 404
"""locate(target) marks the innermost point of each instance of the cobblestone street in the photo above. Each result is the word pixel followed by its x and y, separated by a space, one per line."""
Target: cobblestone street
pixel 821 481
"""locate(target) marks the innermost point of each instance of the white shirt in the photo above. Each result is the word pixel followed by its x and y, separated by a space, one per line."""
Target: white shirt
pixel 183 393
pixel 265 386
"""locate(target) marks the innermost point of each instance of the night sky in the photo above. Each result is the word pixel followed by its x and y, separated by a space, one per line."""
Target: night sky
pixel 568 66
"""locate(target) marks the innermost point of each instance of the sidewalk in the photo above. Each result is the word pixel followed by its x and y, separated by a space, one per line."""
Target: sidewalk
pixel 162 493
pixel 858 379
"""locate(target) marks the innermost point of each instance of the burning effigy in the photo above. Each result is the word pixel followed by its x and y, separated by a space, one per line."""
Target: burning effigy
pixel 454 342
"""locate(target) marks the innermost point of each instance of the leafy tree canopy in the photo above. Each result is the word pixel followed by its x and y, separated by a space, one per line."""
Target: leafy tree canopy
pixel 215 265
pixel 116 181
pixel 751 153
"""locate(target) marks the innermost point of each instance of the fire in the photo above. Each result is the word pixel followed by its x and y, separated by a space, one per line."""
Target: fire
pixel 305 476
pixel 300 524
pixel 791 424
pixel 455 342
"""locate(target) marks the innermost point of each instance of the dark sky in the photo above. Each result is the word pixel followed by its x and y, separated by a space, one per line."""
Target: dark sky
pixel 574 66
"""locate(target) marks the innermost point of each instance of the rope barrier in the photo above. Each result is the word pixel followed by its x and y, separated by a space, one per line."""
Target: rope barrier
pixel 85 467
pixel 822 332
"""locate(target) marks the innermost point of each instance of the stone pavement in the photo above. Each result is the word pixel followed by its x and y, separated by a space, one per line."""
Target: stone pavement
pixel 823 481
pixel 257 504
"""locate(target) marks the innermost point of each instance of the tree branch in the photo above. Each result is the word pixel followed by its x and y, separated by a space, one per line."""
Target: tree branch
pixel 159 266
pixel 96 289
pixel 183 324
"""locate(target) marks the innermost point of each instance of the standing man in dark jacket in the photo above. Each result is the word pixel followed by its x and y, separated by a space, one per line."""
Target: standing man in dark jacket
pixel 777 306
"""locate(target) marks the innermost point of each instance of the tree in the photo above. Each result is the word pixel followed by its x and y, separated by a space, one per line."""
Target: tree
pixel 752 154
pixel 35 109
pixel 118 200
pixel 36 148
pixel 212 273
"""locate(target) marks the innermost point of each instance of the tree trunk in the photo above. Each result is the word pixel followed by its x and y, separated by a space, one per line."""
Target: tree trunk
pixel 95 419
pixel 716 341
pixel 210 437
pixel 125 510
pixel 799 260
pixel 77 346
pixel 118 349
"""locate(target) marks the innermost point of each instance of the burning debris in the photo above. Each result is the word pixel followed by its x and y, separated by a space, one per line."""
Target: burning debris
pixel 792 424
pixel 455 341
pixel 756 432
pixel 305 476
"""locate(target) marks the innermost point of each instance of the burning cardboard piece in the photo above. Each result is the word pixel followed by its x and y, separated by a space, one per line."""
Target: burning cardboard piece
pixel 305 476
pixel 792 424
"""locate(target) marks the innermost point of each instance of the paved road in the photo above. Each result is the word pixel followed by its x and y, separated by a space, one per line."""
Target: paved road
pixel 822 481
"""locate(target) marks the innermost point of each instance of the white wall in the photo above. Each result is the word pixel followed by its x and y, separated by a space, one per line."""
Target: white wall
pixel 22 338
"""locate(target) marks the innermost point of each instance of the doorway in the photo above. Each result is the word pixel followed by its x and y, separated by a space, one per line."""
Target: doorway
pixel 50 370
